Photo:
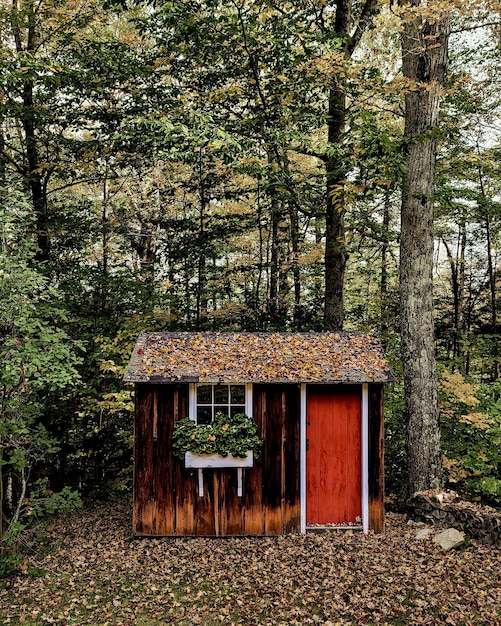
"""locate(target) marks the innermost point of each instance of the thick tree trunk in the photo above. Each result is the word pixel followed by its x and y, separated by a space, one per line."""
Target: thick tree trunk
pixel 280 234
pixel 336 254
pixel 424 56
pixel 492 273
pixel 34 181
pixel 383 288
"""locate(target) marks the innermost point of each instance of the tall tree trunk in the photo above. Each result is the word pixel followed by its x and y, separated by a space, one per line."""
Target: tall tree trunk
pixel 456 295
pixel 279 284
pixel 33 176
pixel 383 285
pixel 336 254
pixel 294 228
pixel 492 283
pixel 424 42
pixel 279 270
pixel 491 270
pixel 201 295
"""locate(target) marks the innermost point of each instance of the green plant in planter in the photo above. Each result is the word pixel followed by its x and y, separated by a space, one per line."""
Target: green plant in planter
pixel 225 436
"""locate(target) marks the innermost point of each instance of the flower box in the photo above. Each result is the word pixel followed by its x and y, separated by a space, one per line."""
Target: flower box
pixel 198 461
pixel 216 461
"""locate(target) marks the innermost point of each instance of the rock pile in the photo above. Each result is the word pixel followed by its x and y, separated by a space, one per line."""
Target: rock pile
pixel 445 510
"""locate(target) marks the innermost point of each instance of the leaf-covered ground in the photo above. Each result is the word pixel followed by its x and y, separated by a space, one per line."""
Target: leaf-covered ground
pixel 89 569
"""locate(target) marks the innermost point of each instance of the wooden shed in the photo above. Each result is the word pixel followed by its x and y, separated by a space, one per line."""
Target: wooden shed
pixel 317 400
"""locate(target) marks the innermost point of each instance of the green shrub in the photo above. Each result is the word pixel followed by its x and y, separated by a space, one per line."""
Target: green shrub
pixel 226 435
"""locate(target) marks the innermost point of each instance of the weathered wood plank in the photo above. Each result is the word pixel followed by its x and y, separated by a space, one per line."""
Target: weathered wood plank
pixel 376 458
pixel 292 501
pixel 163 460
pixel 273 420
pixel 230 505
pixel 143 462
pixel 185 482
pixel 203 512
pixel 252 499
pixel 185 499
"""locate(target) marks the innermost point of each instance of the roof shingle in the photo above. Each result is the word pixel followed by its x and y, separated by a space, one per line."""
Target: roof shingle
pixel 257 358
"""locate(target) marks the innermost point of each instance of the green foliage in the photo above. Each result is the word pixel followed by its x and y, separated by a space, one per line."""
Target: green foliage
pixel 40 504
pixel 395 452
pixel 38 357
pixel 45 502
pixel 9 562
pixel 471 427
pixel 225 436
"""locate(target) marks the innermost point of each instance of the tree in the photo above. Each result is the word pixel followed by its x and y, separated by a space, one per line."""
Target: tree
pixel 336 254
pixel 37 358
pixel 424 41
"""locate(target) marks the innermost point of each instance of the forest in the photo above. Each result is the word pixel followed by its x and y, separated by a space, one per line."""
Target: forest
pixel 247 165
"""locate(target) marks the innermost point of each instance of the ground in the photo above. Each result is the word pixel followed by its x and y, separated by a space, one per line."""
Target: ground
pixel 89 569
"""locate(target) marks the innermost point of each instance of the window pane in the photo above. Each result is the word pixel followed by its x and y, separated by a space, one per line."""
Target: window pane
pixel 237 394
pixel 221 409
pixel 235 410
pixel 221 394
pixel 204 394
pixel 204 415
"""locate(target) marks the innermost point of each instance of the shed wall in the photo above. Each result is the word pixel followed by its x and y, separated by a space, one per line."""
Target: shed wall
pixel 166 501
pixel 166 498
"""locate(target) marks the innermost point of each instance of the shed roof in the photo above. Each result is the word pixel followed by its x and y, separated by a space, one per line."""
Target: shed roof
pixel 257 358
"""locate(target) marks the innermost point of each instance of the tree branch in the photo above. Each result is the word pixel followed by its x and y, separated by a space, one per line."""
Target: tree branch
pixel 366 16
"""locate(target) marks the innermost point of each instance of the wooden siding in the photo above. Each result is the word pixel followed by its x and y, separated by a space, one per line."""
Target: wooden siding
pixel 166 498
pixel 376 458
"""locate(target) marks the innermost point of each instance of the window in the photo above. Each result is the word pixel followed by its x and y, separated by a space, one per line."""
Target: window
pixel 211 399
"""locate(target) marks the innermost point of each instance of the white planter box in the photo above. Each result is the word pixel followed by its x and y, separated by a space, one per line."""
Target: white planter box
pixel 216 461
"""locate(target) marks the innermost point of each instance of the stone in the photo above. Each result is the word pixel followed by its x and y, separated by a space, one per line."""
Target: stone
pixel 445 496
pixel 423 533
pixel 449 539
pixel 415 524
pixel 443 509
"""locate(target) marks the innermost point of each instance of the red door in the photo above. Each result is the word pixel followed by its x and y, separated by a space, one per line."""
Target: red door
pixel 333 458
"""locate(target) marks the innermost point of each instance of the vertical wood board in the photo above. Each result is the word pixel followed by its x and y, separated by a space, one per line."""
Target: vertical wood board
pixel 376 458
pixel 143 463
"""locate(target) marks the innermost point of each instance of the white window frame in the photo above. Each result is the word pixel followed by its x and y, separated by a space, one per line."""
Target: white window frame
pixel 193 397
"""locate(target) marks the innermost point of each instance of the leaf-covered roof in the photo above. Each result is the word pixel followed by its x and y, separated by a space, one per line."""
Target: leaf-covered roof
pixel 257 358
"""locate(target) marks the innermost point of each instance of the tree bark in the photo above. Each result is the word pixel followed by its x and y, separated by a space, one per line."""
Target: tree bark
pixel 424 42
pixel 491 269
pixel 336 255
pixel 27 116
pixel 383 285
